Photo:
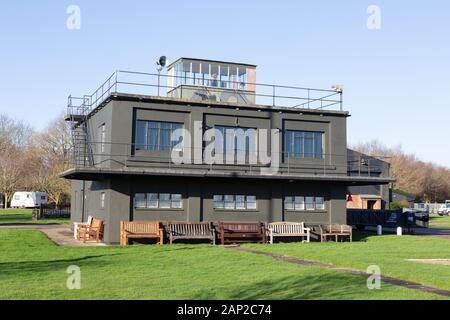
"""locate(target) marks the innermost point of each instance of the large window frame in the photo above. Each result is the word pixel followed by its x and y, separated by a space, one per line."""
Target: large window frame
pixel 248 151
pixel 301 144
pixel 207 74
pixel 154 135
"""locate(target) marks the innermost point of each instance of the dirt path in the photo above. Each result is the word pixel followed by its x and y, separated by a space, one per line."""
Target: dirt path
pixel 60 234
pixel 389 280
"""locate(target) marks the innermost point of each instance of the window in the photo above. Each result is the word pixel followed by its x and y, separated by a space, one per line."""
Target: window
pixel 303 144
pixel 164 200
pixel 176 201
pixel 139 200
pixel 158 201
pixel 234 202
pixel 156 135
pixel 152 200
pixel 320 204
pixel 102 200
pixel 289 203
pixel 218 202
pixel 240 202
pixel 251 202
pixel 300 203
pixel 239 142
pixel 102 137
pixel 309 203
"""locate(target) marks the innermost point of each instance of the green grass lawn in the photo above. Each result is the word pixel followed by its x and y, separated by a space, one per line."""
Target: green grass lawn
pixel 390 253
pixel 437 221
pixel 32 267
pixel 23 216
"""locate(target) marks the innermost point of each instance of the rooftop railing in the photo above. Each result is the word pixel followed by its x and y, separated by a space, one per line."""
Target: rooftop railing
pixel 158 85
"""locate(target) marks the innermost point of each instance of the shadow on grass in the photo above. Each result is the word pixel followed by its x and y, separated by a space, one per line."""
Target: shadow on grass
pixel 26 267
pixel 362 236
pixel 302 287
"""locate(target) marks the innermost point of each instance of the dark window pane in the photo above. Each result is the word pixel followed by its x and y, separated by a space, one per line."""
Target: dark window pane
pixel 298 144
pixel 140 135
pixel 309 145
pixel 318 145
pixel 152 141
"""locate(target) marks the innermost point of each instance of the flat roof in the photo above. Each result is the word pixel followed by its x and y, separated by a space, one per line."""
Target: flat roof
pixel 98 173
pixel 213 61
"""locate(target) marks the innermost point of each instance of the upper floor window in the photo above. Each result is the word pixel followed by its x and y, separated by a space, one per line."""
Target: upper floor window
pixel 303 144
pixel 156 135
pixel 210 74
pixel 235 141
pixel 102 137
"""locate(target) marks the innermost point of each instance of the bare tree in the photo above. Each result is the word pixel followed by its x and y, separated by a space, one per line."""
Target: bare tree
pixel 11 172
pixel 427 181
pixel 13 133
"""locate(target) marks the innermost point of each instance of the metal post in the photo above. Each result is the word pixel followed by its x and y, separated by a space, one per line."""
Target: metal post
pixel 159 75
pixel 273 96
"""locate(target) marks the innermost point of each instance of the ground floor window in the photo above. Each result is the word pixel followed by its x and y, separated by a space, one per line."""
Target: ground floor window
pixel 302 203
pixel 158 201
pixel 234 202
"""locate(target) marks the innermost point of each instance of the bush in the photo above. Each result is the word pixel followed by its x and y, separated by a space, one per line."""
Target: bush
pixel 397 205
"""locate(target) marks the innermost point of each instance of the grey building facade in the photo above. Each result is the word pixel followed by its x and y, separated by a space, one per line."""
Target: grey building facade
pixel 123 166
pixel 369 196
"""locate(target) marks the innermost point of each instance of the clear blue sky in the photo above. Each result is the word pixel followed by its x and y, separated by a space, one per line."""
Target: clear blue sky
pixel 397 80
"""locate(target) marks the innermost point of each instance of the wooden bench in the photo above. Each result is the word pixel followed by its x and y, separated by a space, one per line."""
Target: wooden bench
pixel 92 229
pixel 140 230
pixel 191 231
pixel 288 229
pixel 335 230
pixel 240 232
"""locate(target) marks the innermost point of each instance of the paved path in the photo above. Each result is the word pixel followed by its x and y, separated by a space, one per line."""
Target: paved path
pixel 61 234
pixel 390 280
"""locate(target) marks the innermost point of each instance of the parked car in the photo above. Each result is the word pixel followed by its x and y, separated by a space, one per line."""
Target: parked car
pixel 444 210
pixel 28 199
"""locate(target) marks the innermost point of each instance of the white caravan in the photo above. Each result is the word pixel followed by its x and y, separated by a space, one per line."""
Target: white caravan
pixel 28 199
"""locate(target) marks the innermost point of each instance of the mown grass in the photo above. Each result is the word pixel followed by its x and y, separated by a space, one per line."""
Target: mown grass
pixel 35 268
pixel 390 253
pixel 23 216
pixel 437 221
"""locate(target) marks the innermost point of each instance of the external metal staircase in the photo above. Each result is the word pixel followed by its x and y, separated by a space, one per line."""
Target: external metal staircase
pixel 77 115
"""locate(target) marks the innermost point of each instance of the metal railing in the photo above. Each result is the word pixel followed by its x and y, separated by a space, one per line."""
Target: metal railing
pixel 149 84
pixel 125 155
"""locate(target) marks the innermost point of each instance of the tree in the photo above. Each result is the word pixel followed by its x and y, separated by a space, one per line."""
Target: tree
pixel 50 153
pixel 13 133
pixel 426 181
pixel 11 172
